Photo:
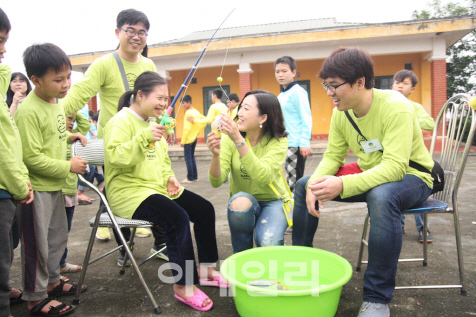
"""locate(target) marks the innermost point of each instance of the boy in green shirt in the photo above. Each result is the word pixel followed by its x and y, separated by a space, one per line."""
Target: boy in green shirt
pixel 389 138
pixel 216 109
pixel 14 182
pixel 404 82
pixel 42 127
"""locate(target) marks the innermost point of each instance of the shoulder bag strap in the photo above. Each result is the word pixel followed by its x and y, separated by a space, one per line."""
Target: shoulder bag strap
pixel 121 70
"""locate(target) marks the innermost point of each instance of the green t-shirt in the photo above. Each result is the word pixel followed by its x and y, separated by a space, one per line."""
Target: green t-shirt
pixel 13 173
pixel 391 120
pixel 426 122
pixel 133 170
pixel 42 129
pixel 256 170
pixel 104 78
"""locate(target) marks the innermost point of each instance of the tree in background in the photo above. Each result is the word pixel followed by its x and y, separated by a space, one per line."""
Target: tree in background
pixel 461 64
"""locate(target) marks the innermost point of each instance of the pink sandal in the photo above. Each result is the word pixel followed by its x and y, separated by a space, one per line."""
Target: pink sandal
pixel 196 301
pixel 218 281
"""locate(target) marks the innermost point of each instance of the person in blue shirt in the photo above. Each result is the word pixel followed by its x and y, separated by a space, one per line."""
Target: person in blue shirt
pixel 294 102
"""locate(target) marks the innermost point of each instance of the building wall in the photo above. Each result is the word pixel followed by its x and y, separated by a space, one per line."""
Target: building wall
pixel 321 105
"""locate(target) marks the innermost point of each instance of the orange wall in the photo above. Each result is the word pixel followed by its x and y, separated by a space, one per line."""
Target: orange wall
pixel 321 104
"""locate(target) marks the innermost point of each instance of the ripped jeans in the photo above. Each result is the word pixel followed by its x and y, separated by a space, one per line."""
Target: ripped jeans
pixel 265 219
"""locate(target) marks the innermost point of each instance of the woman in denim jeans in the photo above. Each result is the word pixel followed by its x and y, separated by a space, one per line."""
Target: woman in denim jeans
pixel 252 153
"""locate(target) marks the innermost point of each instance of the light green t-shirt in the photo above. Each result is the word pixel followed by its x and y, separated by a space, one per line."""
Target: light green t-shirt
pixel 391 120
pixel 104 78
pixel 13 173
pixel 133 170
pixel 42 128
pixel 256 170
pixel 426 122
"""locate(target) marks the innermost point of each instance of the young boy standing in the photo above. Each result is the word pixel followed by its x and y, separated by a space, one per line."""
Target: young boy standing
pixel 14 182
pixel 232 103
pixel 387 183
pixel 189 138
pixel 42 126
pixel 294 102
pixel 404 82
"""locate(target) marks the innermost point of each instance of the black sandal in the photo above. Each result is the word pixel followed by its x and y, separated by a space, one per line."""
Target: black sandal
pixel 58 290
pixel 53 311
pixel 17 300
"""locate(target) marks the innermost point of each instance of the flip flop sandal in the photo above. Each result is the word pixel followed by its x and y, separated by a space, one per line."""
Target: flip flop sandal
pixel 54 311
pixel 17 300
pixel 58 290
pixel 196 301
pixel 84 202
pixel 218 281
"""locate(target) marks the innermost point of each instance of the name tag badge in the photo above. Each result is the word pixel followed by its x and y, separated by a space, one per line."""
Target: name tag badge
pixel 371 146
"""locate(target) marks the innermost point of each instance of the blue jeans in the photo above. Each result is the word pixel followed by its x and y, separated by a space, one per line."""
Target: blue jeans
pixel 69 217
pixel 265 218
pixel 418 222
pixel 189 155
pixel 89 176
pixel 385 203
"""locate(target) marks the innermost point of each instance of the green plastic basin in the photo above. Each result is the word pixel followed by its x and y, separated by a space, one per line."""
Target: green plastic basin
pixel 314 277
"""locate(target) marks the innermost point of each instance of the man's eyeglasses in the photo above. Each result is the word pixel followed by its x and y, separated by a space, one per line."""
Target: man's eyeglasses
pixel 132 33
pixel 326 86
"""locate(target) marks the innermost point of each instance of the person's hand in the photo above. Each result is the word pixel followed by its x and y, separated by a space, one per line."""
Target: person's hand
pixel 305 151
pixel 171 138
pixel 230 128
pixel 29 198
pixel 17 97
pixel 173 186
pixel 78 165
pixel 311 203
pixel 213 143
pixel 326 187
pixel 158 131
pixel 190 119
pixel 75 136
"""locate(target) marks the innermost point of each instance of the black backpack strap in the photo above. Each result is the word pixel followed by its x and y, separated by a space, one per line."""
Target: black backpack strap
pixel 354 124
pixel 419 167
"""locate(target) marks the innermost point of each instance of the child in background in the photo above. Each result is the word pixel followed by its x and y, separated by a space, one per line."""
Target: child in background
pixel 42 126
pixel 404 82
pixel 69 189
pixel 232 102
pixel 189 138
pixel 18 89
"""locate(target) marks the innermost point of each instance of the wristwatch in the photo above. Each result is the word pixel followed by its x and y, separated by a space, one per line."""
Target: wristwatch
pixel 241 143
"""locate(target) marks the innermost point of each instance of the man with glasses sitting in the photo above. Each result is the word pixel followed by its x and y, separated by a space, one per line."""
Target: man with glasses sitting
pixel 381 130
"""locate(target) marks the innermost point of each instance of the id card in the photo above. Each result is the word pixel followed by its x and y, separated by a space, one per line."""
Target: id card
pixel 371 146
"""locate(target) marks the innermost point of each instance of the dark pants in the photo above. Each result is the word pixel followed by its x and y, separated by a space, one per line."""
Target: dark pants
pixel 294 166
pixel 90 176
pixel 7 213
pixel 69 217
pixel 175 216
pixel 189 154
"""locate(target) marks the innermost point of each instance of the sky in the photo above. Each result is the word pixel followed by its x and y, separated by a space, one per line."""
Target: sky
pixel 88 25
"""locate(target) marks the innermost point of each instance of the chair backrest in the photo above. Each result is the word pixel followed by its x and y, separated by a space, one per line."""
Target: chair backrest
pixel 453 134
pixel 93 152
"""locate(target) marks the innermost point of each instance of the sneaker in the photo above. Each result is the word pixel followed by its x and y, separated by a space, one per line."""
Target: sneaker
pixel 120 259
pixel 143 232
pixel 103 234
pixel 428 236
pixel 164 255
pixel 369 309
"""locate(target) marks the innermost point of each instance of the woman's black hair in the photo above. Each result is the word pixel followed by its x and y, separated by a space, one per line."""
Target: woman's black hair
pixel 11 93
pixel 268 105
pixel 146 82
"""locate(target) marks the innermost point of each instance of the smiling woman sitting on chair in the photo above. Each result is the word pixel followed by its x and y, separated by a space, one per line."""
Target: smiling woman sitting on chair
pixel 141 185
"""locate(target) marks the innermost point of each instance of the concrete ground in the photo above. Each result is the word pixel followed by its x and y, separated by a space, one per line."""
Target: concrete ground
pixel 111 294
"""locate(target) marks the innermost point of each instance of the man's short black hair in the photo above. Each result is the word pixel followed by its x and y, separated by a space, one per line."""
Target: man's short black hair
pixel 234 97
pixel 218 93
pixel 40 58
pixel 132 17
pixel 4 22
pixel 405 73
pixel 187 98
pixel 96 116
pixel 288 60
